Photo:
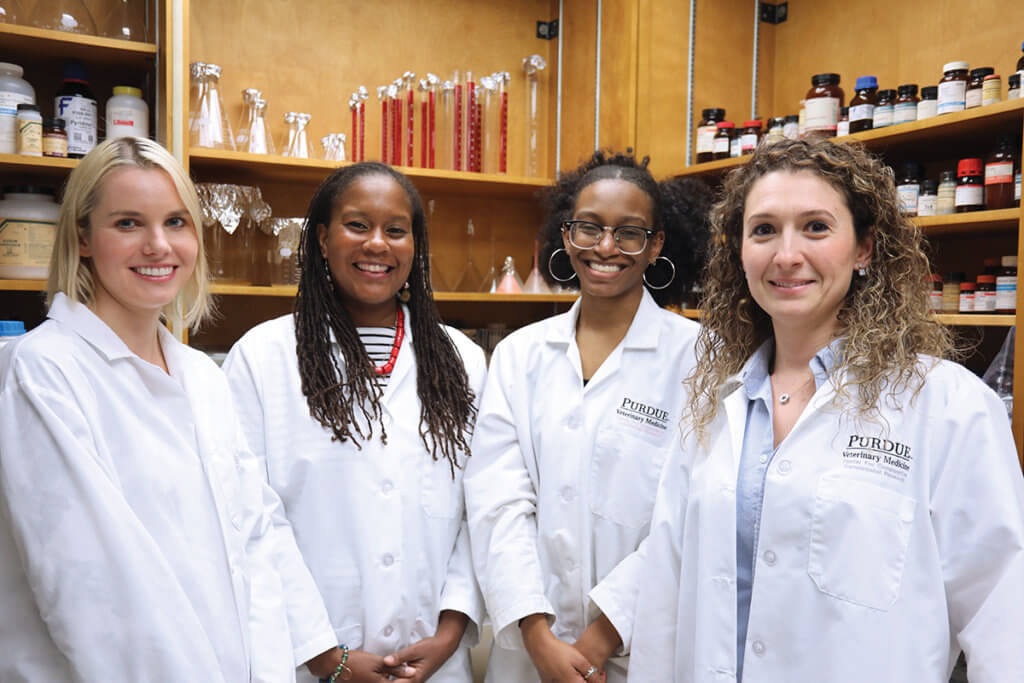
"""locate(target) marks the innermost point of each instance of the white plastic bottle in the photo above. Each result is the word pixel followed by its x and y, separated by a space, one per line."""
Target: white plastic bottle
pixel 28 223
pixel 127 113
pixel 10 330
pixel 14 90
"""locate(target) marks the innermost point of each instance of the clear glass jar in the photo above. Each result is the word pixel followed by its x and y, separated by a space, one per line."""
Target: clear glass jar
pixel 946 202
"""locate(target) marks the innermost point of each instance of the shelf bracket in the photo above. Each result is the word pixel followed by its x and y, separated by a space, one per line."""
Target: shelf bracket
pixel 774 14
pixel 547 30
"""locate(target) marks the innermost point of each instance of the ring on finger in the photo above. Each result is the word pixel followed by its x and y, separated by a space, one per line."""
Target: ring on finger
pixel 590 672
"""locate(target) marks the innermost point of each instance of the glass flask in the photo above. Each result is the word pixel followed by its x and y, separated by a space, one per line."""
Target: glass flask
pixel 208 120
pixel 470 280
pixel 438 283
pixel 297 143
pixel 11 12
pixel 249 97
pixel 126 21
pixel 64 15
pixel 253 135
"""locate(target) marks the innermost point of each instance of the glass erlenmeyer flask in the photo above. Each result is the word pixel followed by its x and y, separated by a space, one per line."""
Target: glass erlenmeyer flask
pixel 535 281
pixel 260 140
pixel 64 15
pixel 209 126
pixel 298 145
pixel 438 283
pixel 509 282
pixel 249 97
pixel 470 279
pixel 11 12
pixel 126 20
pixel 489 285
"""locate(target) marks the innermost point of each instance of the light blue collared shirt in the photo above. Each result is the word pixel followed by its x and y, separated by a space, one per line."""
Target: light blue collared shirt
pixel 755 458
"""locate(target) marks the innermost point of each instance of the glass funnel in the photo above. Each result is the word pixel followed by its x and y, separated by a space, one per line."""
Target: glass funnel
pixel 470 280
pixel 126 20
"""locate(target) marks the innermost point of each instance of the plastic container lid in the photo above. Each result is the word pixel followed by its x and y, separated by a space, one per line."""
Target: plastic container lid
pixel 982 71
pixel 792 118
pixel 11 328
pixel 865 82
pixel 28 107
pixel 725 124
pixel 907 89
pixel 987 279
pixel 971 166
pixel 954 276
pixel 991 77
pixel 53 123
pixel 948 177
pixel 13 69
pixel 704 113
pixel 825 79
pixel 129 90
pixel 955 66
pixel 752 124
pixel 930 92
pixel 929 187
pixel 1008 261
pixel 966 286
pixel 1014 79
pixel 889 92
pixel 74 71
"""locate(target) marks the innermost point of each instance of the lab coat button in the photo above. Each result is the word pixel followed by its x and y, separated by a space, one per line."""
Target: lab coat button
pixel 764 458
pixel 388 559
pixel 386 487
pixel 769 558
pixel 758 647
pixel 568 494
pixel 574 421
pixel 388 630
pixel 785 467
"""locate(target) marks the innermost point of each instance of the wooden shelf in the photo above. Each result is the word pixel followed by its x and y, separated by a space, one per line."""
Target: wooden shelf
pixel 465 297
pixel 25 166
pixel 977 319
pixel 22 285
pixel 227 166
pixel 974 222
pixel 969 123
pixel 61 46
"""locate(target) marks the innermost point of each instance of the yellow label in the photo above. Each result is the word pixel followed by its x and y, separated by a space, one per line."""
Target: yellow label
pixel 30 138
pixel 55 146
pixel 26 242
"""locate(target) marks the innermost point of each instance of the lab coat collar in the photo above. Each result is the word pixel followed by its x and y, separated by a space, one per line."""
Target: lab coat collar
pixel 86 324
pixel 643 332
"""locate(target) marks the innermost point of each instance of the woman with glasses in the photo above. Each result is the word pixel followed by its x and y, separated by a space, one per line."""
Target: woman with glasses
pixel 577 416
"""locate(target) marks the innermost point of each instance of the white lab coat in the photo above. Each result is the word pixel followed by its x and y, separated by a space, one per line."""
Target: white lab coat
pixel 381 527
pixel 884 547
pixel 134 532
pixel 562 480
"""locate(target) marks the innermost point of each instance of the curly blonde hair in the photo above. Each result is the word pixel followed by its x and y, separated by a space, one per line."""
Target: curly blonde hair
pixel 885 318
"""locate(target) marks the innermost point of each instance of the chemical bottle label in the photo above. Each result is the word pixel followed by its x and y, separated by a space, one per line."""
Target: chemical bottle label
pixel 860 112
pixel 706 139
pixel 905 112
pixel 998 172
pixel 1006 292
pixel 79 114
pixel 970 195
pixel 822 113
pixel 125 121
pixel 951 96
pixel 9 102
pixel 908 197
pixel 26 242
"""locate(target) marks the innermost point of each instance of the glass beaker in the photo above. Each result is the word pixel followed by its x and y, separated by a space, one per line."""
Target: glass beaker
pixel 208 122
pixel 64 15
pixel 298 145
pixel 532 66
pixel 11 12
pixel 126 21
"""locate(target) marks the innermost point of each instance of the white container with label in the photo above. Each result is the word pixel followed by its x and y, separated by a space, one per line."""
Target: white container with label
pixel 953 88
pixel 14 90
pixel 10 330
pixel 28 225
pixel 127 114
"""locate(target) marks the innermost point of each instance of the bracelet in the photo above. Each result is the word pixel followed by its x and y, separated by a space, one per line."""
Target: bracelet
pixel 341 671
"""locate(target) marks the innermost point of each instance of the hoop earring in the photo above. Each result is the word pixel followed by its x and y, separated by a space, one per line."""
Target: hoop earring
pixel 551 260
pixel 671 277
pixel 404 294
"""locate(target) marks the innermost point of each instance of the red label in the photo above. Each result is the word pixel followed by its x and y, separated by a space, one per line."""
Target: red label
pixel 999 172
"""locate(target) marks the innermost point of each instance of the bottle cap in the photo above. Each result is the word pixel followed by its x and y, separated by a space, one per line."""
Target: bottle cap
pixel 929 187
pixel 725 124
pixel 11 328
pixel 954 276
pixel 930 92
pixel 935 277
pixel 792 118
pixel 825 79
pixel 908 89
pixel 53 123
pixel 1014 80
pixel 866 82
pixel 1008 261
pixel 982 71
pixel 971 166
pixel 12 69
pixel 948 177
pixel 28 107
pixel 713 112
pixel 29 189
pixel 888 93
pixel 74 71
pixel 911 169
pixel 992 77
pixel 127 90
pixel 955 66
pixel 752 124
pixel 843 111
pixel 986 279
pixel 966 286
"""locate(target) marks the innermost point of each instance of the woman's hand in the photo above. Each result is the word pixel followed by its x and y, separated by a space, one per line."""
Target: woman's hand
pixel 367 668
pixel 555 661
pixel 599 641
pixel 421 660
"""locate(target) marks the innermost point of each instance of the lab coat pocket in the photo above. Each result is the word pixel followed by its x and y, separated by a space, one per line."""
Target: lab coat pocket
pixel 624 474
pixel 858 541
pixel 439 492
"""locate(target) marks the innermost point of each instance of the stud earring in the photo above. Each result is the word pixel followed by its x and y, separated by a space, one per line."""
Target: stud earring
pixel 861 270
pixel 404 294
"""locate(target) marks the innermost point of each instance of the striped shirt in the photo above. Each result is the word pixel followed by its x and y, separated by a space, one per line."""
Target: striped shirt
pixel 378 342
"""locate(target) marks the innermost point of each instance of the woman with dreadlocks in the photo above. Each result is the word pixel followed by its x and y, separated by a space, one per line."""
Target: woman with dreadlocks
pixel 361 406
pixel 577 417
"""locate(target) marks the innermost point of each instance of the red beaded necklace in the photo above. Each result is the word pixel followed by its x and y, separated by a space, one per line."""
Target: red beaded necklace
pixel 395 346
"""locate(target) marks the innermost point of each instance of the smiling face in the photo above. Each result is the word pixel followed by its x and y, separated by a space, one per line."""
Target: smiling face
pixel 369 247
pixel 141 243
pixel 800 250
pixel 604 271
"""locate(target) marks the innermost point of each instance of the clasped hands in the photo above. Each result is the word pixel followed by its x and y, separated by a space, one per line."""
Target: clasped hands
pixel 559 662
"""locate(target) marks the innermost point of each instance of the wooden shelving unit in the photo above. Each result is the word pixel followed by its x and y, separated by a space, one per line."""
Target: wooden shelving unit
pixel 976 222
pixel 60 45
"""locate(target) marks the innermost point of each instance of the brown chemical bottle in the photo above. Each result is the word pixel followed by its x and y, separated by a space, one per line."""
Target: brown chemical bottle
pixel 862 105
pixel 1020 62
pixel 999 188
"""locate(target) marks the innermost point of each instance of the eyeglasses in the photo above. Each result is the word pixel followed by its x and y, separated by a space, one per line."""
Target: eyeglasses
pixel 630 239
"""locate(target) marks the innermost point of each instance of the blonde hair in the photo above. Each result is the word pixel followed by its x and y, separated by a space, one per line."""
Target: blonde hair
pixel 885 318
pixel 72 276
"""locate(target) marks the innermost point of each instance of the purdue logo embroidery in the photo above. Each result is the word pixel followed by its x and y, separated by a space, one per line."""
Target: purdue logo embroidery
pixel 884 456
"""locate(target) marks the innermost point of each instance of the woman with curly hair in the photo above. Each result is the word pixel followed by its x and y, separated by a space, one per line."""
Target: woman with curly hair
pixel 577 417
pixel 846 505
pixel 360 407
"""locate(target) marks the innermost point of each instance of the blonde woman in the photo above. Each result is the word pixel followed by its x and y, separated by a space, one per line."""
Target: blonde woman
pixel 847 506
pixel 137 541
